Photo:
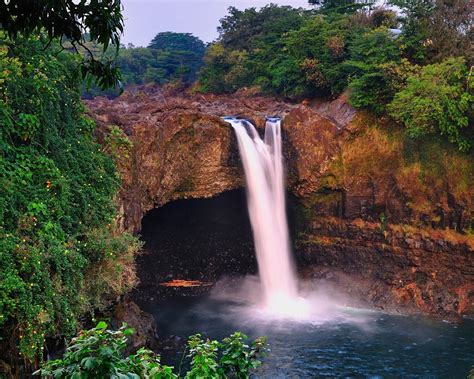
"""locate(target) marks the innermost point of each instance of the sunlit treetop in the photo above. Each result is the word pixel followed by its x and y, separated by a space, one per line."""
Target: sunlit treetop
pixel 341 6
pixel 72 21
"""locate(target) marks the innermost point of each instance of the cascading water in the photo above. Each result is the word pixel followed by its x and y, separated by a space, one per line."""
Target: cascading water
pixel 263 166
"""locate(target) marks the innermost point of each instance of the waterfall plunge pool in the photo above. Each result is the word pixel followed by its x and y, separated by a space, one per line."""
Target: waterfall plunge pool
pixel 211 240
pixel 336 342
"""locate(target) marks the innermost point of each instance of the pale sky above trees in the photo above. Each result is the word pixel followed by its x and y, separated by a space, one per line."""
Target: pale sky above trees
pixel 145 18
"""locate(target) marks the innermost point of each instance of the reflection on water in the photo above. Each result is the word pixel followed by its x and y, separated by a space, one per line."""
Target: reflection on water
pixel 333 341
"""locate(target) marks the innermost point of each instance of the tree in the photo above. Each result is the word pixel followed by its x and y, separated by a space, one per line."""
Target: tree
pixel 69 20
pixel 252 28
pixel 341 6
pixel 439 99
pixel 437 29
pixel 170 41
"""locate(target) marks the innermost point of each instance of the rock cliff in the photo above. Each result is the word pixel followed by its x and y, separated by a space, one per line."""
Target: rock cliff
pixel 346 167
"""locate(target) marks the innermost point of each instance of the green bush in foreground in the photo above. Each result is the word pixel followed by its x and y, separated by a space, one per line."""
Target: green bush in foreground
pixel 99 353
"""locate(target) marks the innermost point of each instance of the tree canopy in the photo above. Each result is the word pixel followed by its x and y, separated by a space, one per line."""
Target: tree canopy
pixel 72 21
pixel 321 53
pixel 170 41
pixel 170 59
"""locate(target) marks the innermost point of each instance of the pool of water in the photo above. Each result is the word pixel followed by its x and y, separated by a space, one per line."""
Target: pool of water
pixel 332 341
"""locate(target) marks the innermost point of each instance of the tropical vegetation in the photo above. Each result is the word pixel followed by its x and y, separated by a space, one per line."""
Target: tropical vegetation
pixel 172 59
pixel 100 353
pixel 56 201
pixel 415 65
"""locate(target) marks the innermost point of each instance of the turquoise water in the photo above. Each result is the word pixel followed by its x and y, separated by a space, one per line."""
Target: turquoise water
pixel 336 342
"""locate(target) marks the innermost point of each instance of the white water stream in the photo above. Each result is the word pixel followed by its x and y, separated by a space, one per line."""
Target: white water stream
pixel 263 166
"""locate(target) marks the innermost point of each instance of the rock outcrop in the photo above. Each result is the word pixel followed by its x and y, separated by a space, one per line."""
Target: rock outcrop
pixel 343 165
pixel 143 324
pixel 399 269
pixel 182 148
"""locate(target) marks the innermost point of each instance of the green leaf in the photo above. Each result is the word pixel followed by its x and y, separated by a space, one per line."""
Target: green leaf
pixel 102 325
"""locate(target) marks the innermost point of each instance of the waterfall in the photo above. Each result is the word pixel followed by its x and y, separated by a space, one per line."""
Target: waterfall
pixel 263 166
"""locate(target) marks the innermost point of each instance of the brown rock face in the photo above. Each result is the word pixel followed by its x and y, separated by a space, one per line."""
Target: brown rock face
pixel 181 146
pixel 143 324
pixel 396 269
pixel 311 144
pixel 344 166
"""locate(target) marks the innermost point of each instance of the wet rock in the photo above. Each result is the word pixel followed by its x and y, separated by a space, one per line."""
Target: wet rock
pixel 142 322
pixel 402 276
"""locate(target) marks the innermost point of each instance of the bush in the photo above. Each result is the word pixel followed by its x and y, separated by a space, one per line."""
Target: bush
pixel 439 99
pixel 99 353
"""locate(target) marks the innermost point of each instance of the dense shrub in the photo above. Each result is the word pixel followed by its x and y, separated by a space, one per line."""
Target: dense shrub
pixel 437 99
pixel 56 192
pixel 99 353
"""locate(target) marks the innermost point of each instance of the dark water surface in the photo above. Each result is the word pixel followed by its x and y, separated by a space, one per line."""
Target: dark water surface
pixel 345 343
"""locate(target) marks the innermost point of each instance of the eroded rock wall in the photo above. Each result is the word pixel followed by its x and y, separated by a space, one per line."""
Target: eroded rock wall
pixel 343 165
pixel 181 147
pixel 396 268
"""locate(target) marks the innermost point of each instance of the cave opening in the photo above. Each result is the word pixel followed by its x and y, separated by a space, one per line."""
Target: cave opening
pixel 200 240
pixel 195 240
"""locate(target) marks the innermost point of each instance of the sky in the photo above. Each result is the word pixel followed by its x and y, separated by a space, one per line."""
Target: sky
pixel 145 18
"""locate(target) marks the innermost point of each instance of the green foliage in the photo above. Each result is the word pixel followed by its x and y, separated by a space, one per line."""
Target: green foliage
pixel 437 99
pixel 204 358
pixel 56 191
pixel 255 29
pixel 101 21
pixel 144 65
pixel 169 41
pixel 298 54
pixel 99 353
pixel 370 53
pixel 233 357
pixel 238 358
pixel 172 58
pixel 250 44
pixel 341 6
